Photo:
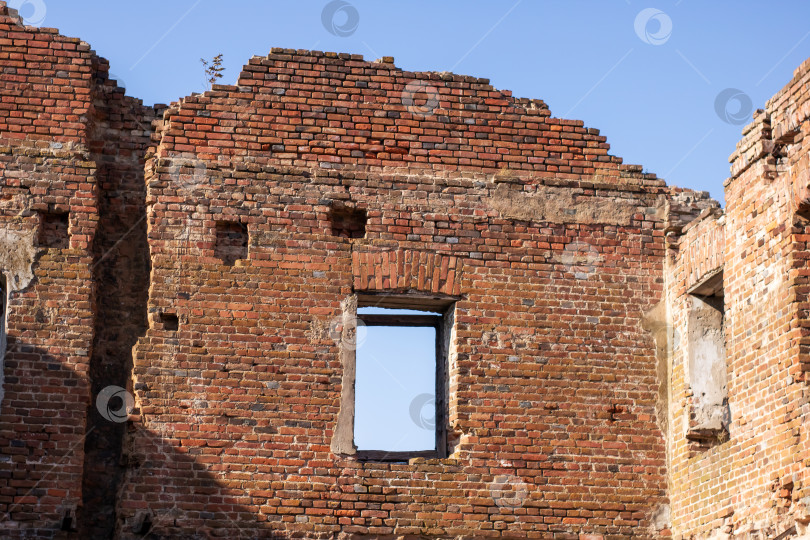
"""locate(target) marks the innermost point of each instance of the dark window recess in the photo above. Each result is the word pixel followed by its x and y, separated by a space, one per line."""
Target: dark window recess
pixel 232 242
pixel 53 230
pixel 169 321
pixel 348 222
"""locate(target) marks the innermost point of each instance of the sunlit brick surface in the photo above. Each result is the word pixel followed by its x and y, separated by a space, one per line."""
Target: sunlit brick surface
pixel 212 244
pixel 71 178
pixel 553 383
pixel 755 483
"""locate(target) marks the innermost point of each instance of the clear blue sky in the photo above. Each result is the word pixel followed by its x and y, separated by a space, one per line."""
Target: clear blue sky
pixel 649 80
pixel 655 103
pixel 395 387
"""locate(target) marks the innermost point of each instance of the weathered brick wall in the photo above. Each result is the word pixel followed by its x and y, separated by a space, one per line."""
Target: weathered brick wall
pixel 120 135
pixel 71 170
pixel 753 484
pixel 569 396
pixel 555 249
pixel 45 91
pixel 701 249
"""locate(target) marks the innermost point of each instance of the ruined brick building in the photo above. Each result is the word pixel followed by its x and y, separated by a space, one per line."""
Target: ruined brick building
pixel 615 357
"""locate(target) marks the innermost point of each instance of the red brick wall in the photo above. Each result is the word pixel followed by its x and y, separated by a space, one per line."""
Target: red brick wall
pixel 120 133
pixel 50 317
pixel 63 153
pixel 557 252
pixel 753 484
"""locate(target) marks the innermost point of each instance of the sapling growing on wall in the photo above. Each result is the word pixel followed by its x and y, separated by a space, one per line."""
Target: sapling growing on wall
pixel 213 69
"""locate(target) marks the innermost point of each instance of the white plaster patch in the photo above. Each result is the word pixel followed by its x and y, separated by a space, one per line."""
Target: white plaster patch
pixel 17 252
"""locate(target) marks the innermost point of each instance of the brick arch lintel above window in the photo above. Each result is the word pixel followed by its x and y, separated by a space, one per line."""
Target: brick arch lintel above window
pixel 407 270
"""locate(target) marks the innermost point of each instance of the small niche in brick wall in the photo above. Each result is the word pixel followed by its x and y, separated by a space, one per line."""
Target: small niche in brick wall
pixel 169 321
pixel 53 230
pixel 232 242
pixel 69 520
pixel 348 222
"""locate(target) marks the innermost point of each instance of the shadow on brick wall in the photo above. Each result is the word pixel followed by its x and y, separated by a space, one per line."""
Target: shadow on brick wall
pixel 42 431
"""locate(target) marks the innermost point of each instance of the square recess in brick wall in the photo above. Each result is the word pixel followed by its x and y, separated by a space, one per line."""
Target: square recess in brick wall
pixel 232 242
pixel 348 222
pixel 169 321
pixel 53 230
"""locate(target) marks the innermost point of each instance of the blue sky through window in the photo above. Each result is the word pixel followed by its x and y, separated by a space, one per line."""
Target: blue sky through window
pixel 395 386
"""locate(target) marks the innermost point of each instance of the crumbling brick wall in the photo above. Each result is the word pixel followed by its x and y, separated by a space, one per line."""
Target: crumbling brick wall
pixel 225 252
pixel 120 134
pixel 752 483
pixel 554 252
pixel 71 174
pixel 46 177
